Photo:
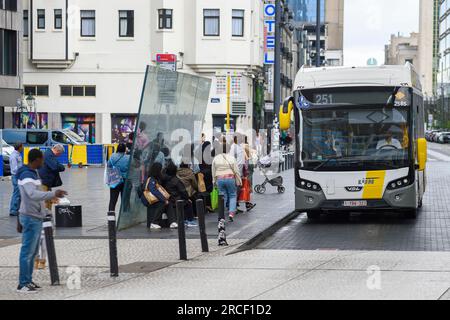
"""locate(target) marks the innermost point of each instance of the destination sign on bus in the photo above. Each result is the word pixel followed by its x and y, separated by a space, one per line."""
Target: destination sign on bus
pixel 321 97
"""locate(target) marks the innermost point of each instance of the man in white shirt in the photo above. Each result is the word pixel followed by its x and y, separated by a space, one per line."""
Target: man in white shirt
pixel 389 143
pixel 237 152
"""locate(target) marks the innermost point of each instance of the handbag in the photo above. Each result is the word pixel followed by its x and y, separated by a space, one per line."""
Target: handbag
pixel 244 194
pixel 113 175
pixel 237 176
pixel 201 183
pixel 150 198
pixel 214 198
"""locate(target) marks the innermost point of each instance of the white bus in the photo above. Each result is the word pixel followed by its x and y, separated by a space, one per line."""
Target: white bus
pixel 360 139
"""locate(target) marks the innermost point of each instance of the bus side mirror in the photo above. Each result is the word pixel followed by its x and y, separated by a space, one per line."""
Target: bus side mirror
pixel 285 114
pixel 422 153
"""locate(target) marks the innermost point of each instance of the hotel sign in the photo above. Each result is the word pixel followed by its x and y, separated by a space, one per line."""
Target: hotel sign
pixel 269 32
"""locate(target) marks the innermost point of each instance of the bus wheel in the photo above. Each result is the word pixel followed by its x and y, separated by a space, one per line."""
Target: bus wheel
pixel 411 214
pixel 313 215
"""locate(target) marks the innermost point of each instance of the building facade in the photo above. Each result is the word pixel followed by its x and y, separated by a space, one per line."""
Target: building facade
pixel 85 60
pixel 402 49
pixel 441 112
pixel 428 62
pixel 10 56
pixel 332 30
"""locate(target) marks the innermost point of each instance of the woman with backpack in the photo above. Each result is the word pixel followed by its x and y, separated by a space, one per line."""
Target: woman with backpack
pixel 119 161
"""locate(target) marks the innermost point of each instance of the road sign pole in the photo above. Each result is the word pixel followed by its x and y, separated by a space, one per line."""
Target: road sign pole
pixel 318 31
pixel 228 103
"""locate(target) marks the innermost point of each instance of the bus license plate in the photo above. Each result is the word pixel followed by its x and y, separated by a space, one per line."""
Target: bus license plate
pixel 355 203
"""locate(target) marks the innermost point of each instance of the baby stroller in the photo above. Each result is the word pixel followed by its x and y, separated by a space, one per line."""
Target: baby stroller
pixel 264 164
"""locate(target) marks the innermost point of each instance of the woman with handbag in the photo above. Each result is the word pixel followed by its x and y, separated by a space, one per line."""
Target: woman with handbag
pixel 156 195
pixel 227 178
pixel 117 171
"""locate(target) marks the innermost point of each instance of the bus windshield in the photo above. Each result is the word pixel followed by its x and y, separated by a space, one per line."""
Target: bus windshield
pixel 356 138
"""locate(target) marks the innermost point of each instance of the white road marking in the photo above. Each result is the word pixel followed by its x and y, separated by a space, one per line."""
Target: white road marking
pixel 438 155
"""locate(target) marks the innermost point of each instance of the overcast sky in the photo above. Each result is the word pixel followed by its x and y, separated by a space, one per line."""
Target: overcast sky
pixel 369 24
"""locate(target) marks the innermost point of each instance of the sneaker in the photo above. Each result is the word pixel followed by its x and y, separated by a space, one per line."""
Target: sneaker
pixel 13 214
pixel 155 227
pixel 28 289
pixel 35 286
pixel 174 225
pixel 231 217
pixel 191 224
pixel 250 206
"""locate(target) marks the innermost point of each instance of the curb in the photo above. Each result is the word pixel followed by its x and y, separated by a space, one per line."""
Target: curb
pixel 263 235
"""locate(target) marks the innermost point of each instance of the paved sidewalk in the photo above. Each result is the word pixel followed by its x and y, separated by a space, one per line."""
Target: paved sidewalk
pixel 91 257
pixel 85 186
pixel 150 270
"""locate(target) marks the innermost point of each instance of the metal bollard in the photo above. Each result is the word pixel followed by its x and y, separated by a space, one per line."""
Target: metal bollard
pixel 221 208
pixel 51 252
pixel 201 224
pixel 181 230
pixel 112 234
pixel 222 238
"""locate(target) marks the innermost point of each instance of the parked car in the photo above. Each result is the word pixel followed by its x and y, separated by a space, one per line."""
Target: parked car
pixel 35 137
pixel 444 137
pixel 6 152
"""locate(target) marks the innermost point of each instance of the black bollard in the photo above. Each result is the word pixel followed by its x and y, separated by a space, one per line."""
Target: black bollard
pixel 112 234
pixel 222 238
pixel 51 252
pixel 181 230
pixel 221 212
pixel 201 225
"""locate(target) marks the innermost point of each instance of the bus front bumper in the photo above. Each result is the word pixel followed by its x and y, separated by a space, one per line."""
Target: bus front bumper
pixel 404 198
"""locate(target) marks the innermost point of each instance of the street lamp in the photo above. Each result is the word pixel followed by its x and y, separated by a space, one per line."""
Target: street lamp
pixel 31 102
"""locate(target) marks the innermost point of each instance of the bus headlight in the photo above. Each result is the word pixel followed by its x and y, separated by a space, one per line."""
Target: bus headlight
pixel 308 185
pixel 400 183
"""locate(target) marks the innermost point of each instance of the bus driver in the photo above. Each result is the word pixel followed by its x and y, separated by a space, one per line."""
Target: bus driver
pixel 389 142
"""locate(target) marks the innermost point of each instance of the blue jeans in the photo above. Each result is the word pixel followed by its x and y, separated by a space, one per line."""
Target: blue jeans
pixel 32 228
pixel 228 189
pixel 15 198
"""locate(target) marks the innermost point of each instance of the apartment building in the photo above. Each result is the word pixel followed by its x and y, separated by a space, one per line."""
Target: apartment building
pixel 402 49
pixel 85 60
pixel 331 33
pixel 428 64
pixel 10 56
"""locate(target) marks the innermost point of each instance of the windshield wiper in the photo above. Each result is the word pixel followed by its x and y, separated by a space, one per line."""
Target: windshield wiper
pixel 325 163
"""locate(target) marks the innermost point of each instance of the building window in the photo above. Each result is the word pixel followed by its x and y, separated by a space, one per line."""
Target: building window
pixel 8 52
pixel 58 19
pixel 88 23
pixel 78 91
pixel 36 90
pixel 126 23
pixel 25 23
pixel 211 22
pixel 90 91
pixel 41 18
pixel 165 19
pixel 238 23
pixel 10 5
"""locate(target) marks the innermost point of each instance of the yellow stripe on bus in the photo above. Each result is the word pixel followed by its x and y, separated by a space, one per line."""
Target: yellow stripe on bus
pixel 374 185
